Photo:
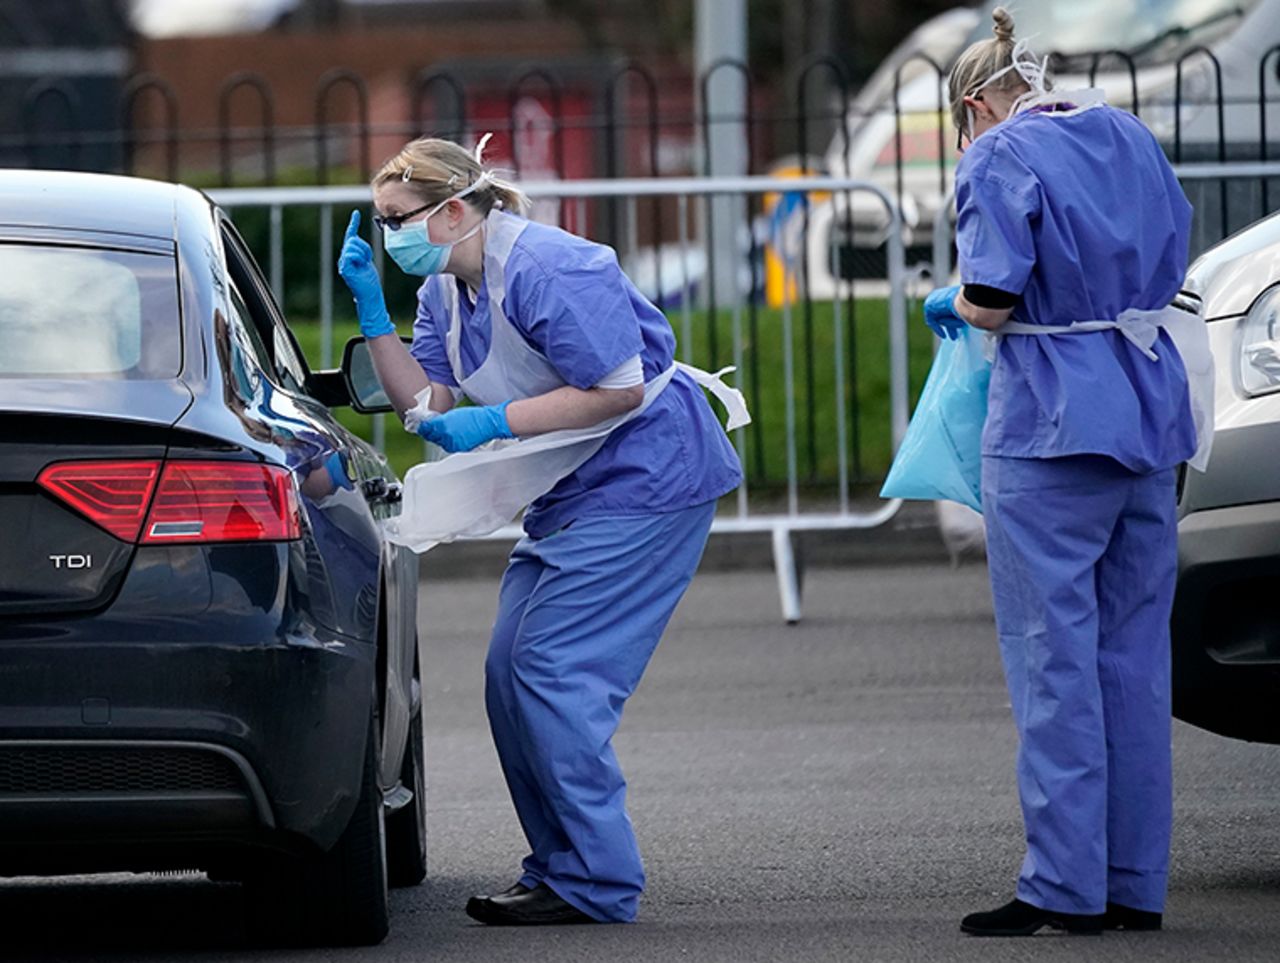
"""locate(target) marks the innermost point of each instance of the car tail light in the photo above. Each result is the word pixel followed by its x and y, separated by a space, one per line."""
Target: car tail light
pixel 189 501
pixel 207 501
pixel 112 494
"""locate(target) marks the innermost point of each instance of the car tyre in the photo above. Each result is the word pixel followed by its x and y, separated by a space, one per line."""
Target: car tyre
pixel 407 827
pixel 338 897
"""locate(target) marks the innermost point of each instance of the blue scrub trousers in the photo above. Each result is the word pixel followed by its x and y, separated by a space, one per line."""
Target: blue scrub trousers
pixel 1083 559
pixel 579 615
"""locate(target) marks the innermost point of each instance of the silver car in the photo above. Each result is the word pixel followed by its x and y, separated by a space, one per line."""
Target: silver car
pixel 1226 618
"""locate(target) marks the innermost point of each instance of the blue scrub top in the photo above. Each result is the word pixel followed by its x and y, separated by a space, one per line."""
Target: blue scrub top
pixel 1082 216
pixel 570 300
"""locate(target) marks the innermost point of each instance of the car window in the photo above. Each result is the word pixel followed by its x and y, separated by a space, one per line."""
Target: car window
pixel 288 365
pixel 1161 29
pixel 74 312
pixel 284 364
pixel 248 342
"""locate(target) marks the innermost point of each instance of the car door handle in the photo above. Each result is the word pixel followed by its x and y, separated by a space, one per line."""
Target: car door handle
pixel 378 490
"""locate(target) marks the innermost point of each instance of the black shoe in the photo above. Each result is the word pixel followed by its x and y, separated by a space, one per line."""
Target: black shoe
pixel 539 906
pixel 1120 917
pixel 1023 919
pixel 516 889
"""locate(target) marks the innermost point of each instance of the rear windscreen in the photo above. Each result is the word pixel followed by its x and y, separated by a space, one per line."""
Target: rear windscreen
pixel 69 312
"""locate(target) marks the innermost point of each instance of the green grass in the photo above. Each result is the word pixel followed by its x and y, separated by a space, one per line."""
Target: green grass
pixel 763 380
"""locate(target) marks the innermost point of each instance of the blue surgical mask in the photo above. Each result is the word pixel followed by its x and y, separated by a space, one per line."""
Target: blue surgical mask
pixel 413 250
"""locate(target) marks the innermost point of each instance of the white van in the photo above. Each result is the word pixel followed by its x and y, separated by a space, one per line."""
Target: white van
pixel 1094 42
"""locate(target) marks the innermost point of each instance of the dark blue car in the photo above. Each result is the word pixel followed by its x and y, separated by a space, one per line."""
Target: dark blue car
pixel 208 651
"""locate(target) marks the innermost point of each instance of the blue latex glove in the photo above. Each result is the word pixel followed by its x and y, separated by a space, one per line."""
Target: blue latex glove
pixel 336 468
pixel 355 264
pixel 940 312
pixel 465 428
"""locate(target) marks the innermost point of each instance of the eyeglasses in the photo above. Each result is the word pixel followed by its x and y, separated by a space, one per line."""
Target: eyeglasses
pixel 393 222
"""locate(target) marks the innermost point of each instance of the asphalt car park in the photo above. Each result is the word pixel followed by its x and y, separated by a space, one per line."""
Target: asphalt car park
pixel 842 789
pixel 240 695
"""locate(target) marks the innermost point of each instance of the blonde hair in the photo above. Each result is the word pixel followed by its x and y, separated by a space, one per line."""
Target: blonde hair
pixel 982 60
pixel 436 169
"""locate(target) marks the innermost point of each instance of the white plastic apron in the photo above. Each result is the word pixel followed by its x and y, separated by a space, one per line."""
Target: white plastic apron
pixel 1142 328
pixel 475 493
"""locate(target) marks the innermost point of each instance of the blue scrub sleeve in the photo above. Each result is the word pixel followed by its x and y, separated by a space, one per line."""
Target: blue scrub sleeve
pixel 428 342
pixel 997 206
pixel 581 318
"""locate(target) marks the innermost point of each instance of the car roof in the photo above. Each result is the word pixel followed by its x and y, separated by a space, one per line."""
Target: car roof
pixel 98 203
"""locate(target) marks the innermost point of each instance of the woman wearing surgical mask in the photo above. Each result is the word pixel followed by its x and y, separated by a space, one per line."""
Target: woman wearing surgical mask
pixel 541 331
pixel 1072 235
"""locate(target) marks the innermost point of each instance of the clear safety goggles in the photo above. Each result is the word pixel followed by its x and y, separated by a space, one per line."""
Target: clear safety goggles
pixel 393 222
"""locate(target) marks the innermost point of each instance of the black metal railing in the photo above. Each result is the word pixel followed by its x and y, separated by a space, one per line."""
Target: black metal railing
pixel 625 120
pixel 54 128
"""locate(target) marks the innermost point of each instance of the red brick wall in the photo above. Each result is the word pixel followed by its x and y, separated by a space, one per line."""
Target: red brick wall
pixel 293 64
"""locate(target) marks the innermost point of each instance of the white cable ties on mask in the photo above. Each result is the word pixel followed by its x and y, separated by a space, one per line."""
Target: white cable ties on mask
pixel 486 176
pixel 1022 60
pixel 1032 72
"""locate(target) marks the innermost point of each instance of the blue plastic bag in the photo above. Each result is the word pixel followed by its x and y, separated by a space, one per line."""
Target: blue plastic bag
pixel 941 454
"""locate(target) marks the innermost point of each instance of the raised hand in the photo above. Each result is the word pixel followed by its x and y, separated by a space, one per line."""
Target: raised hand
pixel 355 265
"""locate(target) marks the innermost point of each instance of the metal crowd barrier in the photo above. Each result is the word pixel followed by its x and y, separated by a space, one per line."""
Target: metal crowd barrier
pixel 569 200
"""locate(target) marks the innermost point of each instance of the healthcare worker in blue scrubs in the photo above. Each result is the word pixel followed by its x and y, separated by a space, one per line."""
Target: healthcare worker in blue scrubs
pixel 1070 217
pixel 542 331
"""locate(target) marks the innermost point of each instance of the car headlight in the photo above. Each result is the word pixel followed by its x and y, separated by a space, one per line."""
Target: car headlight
pixel 1260 346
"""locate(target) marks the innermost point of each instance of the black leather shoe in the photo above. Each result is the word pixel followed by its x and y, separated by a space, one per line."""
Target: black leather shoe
pixel 1120 917
pixel 516 889
pixel 1023 919
pixel 476 902
pixel 539 906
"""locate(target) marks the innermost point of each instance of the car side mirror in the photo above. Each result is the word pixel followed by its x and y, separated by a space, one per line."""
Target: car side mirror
pixel 354 385
pixel 367 394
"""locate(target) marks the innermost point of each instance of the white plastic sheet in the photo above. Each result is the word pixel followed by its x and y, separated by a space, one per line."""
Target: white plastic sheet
pixel 474 493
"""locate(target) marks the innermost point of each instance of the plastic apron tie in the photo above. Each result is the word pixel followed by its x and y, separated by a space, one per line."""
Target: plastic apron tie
pixel 735 403
pixel 474 493
pixel 1142 328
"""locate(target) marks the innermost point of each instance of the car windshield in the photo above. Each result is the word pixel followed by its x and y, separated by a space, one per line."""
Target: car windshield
pixel 73 312
pixel 1153 31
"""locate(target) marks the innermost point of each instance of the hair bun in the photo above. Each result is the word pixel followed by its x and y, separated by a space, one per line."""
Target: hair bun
pixel 1003 25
